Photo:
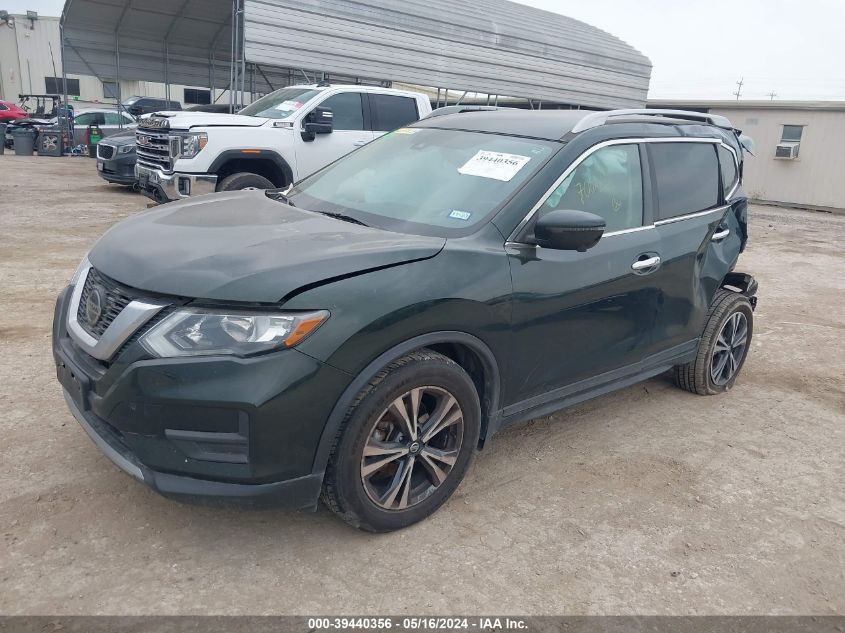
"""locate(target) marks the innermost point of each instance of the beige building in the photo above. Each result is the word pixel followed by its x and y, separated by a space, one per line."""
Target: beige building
pixel 31 63
pixel 800 148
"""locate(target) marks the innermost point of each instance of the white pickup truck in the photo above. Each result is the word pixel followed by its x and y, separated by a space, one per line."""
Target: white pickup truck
pixel 275 141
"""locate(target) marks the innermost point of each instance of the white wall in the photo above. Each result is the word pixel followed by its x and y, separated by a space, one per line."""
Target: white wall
pixel 25 60
pixel 816 177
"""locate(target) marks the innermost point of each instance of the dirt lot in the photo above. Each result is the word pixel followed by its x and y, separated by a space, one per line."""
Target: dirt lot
pixel 650 500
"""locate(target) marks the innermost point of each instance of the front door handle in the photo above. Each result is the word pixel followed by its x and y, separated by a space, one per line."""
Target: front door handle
pixel 645 264
pixel 359 143
pixel 718 237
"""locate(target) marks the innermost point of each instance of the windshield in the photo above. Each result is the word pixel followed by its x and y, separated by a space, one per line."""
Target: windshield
pixel 280 104
pixel 423 180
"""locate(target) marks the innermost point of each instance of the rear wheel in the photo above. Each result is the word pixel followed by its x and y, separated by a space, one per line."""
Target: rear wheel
pixel 406 443
pixel 723 347
pixel 244 180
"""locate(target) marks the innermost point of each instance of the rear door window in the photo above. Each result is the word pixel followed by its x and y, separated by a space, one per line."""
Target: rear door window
pixel 391 111
pixel 90 118
pixel 687 177
pixel 113 118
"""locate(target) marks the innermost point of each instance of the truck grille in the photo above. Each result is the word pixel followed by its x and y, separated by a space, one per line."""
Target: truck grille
pixel 105 151
pixel 115 301
pixel 154 150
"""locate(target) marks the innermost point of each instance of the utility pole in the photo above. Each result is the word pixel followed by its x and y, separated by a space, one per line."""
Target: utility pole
pixel 738 92
pixel 772 96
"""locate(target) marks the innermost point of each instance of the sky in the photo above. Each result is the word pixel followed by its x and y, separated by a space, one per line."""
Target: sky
pixel 699 50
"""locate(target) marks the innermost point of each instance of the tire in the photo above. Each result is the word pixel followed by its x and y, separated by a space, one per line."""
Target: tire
pixel 364 499
pixel 244 180
pixel 701 376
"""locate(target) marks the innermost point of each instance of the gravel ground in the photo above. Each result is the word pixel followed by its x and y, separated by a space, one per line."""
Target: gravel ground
pixel 647 501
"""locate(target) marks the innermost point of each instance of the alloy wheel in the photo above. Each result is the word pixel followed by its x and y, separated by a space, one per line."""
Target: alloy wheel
pixel 412 447
pixel 729 349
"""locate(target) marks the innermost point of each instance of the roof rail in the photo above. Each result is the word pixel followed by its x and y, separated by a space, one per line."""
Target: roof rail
pixel 596 119
pixel 458 109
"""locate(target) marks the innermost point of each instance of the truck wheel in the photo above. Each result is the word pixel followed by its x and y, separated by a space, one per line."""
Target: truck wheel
pixel 723 347
pixel 244 180
pixel 405 443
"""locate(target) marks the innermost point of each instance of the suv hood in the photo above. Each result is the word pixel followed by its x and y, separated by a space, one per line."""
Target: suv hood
pixel 243 246
pixel 187 120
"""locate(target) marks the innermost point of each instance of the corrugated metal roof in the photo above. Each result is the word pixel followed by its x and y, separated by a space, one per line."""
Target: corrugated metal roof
pixel 490 46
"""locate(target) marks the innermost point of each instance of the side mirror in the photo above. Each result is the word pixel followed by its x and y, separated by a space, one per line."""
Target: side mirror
pixel 569 230
pixel 319 121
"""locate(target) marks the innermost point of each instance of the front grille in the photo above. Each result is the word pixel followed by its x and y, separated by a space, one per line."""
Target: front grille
pixel 153 150
pixel 105 151
pixel 116 300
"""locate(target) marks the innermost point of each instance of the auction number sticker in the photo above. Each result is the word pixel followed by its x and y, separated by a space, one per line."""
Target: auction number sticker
pixel 495 165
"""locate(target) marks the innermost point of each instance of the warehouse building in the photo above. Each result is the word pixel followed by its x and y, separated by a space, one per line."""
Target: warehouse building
pixel 195 50
pixel 799 160
pixel 31 63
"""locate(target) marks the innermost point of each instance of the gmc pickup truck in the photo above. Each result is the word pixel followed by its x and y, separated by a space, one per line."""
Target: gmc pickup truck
pixel 273 142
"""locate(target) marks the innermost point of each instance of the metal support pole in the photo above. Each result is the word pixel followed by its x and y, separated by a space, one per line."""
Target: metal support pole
pixel 462 98
pixel 243 53
pixel 446 97
pixel 117 78
pixel 65 120
pixel 167 71
pixel 232 58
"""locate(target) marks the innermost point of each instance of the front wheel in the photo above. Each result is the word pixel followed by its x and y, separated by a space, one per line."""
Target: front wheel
pixel 405 445
pixel 723 347
pixel 244 180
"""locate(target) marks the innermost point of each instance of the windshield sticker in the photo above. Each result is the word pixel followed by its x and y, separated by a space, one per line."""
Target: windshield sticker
pixel 406 130
pixel 460 215
pixel 289 105
pixel 495 165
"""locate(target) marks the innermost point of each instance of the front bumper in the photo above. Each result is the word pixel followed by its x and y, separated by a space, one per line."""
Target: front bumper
pixel 119 171
pixel 224 427
pixel 299 493
pixel 163 187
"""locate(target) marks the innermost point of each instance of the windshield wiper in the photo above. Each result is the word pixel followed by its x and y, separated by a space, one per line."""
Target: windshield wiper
pixel 341 216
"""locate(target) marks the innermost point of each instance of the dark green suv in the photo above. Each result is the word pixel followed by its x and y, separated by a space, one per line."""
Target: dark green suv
pixel 361 334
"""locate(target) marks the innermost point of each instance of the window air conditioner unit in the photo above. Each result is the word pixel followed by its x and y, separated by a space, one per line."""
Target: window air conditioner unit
pixel 787 151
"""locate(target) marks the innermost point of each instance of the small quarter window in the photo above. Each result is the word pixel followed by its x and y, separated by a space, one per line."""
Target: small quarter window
pixel 727 166
pixel 687 177
pixel 110 89
pixel 195 96
pixel 55 86
pixel 791 133
pixel 608 183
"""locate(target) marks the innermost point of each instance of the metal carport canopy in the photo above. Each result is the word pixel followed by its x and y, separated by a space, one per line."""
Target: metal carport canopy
pixel 488 46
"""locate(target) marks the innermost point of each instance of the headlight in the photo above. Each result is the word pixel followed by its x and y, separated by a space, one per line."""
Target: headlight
pixel 125 149
pixel 192 144
pixel 199 332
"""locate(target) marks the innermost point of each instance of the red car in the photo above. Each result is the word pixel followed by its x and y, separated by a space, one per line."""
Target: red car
pixel 11 112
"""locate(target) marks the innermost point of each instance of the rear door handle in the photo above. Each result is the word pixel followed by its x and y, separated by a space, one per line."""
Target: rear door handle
pixel 645 264
pixel 717 237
